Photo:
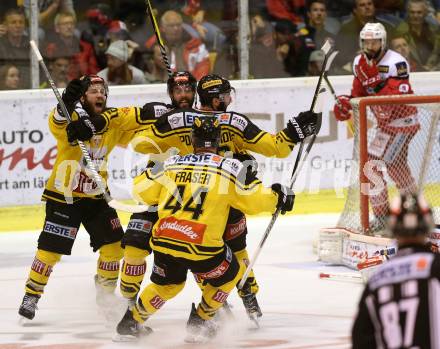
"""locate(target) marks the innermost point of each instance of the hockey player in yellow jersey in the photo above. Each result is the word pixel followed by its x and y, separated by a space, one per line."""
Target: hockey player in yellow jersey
pixel 72 196
pixel 194 194
pixel 239 134
pixel 181 88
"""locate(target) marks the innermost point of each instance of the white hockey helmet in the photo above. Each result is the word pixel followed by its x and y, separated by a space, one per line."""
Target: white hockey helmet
pixel 373 31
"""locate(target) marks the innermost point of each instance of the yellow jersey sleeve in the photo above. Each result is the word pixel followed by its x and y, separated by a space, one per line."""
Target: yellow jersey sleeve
pixel 173 129
pixel 125 119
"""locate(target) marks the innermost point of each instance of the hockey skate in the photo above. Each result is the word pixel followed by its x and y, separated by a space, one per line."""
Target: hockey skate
pixel 251 305
pixel 28 306
pixel 223 315
pixel 198 329
pixel 129 330
pixel 107 302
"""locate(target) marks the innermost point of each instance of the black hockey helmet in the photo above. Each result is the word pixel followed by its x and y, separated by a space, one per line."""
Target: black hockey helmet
pixel 212 86
pixel 410 216
pixel 206 132
pixel 181 78
pixel 92 79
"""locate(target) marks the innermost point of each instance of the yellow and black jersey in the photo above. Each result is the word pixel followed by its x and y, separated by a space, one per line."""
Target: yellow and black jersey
pixel 69 178
pixel 194 193
pixel 143 117
pixel 238 133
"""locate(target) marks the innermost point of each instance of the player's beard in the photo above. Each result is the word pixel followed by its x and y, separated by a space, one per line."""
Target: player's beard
pixel 93 109
pixel 373 55
pixel 183 103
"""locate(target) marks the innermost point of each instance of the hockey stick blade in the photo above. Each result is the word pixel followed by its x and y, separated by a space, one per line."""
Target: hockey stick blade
pixel 330 59
pixel 326 47
pixel 348 277
pixel 120 206
pixel 89 162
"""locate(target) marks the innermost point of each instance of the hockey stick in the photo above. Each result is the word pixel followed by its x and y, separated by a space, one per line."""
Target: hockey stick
pixel 332 91
pixel 89 163
pixel 335 276
pixel 299 162
pixel 159 38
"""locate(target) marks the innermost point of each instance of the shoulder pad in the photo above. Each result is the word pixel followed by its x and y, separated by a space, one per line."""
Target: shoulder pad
pixel 171 160
pixel 400 268
pixel 239 121
pixel 402 69
pixel 154 110
pixel 232 166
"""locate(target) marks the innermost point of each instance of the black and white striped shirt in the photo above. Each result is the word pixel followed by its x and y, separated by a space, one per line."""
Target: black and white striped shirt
pixel 400 306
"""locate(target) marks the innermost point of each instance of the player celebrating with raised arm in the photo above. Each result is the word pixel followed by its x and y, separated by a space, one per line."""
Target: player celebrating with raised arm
pixel 173 129
pixel 399 306
pixel 379 71
pixel 194 194
pixel 181 88
pixel 72 196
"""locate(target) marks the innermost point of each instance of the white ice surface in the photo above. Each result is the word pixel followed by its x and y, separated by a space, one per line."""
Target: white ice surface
pixel 300 310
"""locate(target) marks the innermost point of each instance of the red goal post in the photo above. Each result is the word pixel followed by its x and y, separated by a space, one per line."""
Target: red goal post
pixel 428 111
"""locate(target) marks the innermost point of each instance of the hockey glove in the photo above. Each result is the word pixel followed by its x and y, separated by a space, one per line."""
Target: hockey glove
pixel 286 197
pixel 72 93
pixel 342 108
pixel 250 166
pixel 85 127
pixel 302 126
pixel 368 74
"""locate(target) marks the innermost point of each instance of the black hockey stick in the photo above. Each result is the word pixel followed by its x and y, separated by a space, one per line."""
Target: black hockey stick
pixel 163 50
pixel 299 162
pixel 89 163
pixel 335 97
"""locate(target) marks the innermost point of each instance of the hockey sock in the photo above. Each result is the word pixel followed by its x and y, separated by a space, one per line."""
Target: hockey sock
pixel 108 266
pixel 213 297
pixel 200 282
pixel 152 298
pixel 133 271
pixel 41 268
pixel 251 283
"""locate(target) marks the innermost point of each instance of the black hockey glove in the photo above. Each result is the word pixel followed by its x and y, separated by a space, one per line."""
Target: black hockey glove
pixel 302 126
pixel 250 166
pixel 286 197
pixel 74 90
pixel 84 128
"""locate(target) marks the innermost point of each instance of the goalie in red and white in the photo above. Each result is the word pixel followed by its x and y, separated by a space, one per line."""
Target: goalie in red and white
pixel 379 71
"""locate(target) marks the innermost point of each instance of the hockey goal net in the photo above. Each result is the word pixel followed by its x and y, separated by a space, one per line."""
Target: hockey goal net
pixel 396 148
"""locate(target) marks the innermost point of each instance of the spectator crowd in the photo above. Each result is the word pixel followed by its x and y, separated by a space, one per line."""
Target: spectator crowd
pixel 115 39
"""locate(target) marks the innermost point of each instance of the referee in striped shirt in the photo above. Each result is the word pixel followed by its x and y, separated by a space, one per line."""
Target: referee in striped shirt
pixel 400 306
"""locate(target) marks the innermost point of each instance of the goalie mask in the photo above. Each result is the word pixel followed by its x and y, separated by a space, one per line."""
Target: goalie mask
pixel 373 31
pixel 213 86
pixel 205 132
pixel 410 216
pixel 183 79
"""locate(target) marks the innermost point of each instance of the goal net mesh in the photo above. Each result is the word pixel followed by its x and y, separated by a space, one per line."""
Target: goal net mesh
pixel 396 148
